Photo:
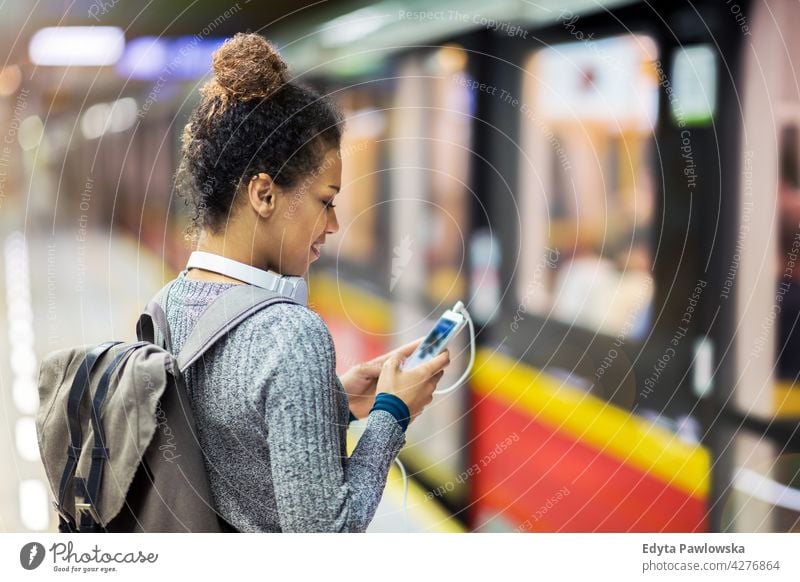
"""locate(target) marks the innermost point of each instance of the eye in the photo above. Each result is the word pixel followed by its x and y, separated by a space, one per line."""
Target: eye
pixel 328 204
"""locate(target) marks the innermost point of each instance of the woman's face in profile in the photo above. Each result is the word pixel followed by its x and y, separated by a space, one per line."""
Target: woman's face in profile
pixel 307 215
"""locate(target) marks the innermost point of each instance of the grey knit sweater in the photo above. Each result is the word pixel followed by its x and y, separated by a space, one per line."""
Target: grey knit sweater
pixel 272 418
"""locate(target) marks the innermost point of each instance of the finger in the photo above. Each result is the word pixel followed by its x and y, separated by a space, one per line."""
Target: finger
pixel 371 368
pixel 436 364
pixel 408 349
pixel 404 350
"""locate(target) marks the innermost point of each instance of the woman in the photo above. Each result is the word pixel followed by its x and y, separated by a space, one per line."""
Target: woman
pixel 261 168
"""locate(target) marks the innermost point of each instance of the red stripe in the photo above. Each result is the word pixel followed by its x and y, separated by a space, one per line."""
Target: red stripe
pixel 523 481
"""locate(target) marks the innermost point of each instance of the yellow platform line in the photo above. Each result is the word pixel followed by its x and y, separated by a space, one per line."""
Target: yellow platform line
pixel 634 441
pixel 361 308
pixel 421 510
pixel 786 400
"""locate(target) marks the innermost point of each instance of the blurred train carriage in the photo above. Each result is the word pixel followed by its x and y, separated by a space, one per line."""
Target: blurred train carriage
pixel 585 180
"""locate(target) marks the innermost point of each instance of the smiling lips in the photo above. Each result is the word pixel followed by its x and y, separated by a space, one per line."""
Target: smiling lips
pixel 315 249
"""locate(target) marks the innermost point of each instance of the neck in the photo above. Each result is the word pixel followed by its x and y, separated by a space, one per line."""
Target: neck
pixel 226 245
pixel 223 245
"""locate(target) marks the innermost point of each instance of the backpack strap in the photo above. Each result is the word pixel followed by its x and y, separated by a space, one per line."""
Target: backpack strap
pixel 230 308
pixel 152 325
pixel 88 489
pixel 79 386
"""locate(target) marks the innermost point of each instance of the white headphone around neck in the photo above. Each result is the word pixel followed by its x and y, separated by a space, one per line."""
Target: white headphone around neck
pixel 290 286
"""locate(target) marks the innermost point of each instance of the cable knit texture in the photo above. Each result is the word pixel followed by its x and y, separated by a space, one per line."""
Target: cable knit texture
pixel 272 420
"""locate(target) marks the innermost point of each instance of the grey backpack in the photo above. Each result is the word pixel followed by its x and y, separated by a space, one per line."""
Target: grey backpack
pixel 115 426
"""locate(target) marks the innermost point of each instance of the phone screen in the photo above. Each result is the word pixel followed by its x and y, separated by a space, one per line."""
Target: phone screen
pixel 432 344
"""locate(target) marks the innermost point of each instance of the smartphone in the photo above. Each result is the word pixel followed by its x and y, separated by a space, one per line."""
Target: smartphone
pixel 449 324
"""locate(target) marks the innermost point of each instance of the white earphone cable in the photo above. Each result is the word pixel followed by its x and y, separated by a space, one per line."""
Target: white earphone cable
pixel 465 375
pixel 405 487
pixel 460 308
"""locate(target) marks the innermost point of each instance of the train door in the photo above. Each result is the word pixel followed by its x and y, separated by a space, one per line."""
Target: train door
pixel 761 482
pixel 565 439
pixel 429 153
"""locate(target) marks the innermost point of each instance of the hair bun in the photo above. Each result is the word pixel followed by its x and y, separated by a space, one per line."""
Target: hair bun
pixel 247 66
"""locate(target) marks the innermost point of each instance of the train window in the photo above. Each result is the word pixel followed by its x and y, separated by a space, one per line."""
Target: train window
pixel 586 183
pixel 694 74
pixel 764 264
pixel 449 109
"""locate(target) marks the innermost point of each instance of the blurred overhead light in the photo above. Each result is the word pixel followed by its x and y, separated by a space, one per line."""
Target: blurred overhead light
pixel 190 56
pixel 144 58
pixel 151 58
pixel 10 78
pixel 94 120
pixel 30 132
pixel 451 58
pixel 123 114
pixel 77 45
pixel 353 26
pixel 109 117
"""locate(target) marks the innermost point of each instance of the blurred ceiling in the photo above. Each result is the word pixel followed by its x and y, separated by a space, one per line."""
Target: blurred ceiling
pixel 19 20
pixel 339 37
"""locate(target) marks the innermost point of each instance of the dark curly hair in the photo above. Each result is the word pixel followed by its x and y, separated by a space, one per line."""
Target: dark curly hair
pixel 251 119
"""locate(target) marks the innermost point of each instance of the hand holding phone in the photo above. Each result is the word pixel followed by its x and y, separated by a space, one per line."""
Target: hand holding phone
pixel 449 324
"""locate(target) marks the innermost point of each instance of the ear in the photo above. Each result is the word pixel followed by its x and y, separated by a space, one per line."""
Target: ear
pixel 262 194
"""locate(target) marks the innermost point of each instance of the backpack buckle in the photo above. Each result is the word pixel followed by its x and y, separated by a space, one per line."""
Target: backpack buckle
pixel 82 507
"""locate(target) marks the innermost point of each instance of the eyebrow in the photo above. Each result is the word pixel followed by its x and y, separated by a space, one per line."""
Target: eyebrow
pixel 337 188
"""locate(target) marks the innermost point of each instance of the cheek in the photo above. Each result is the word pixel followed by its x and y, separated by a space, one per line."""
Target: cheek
pixel 306 225
pixel 315 219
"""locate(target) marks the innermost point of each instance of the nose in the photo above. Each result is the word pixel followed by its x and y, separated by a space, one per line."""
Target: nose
pixel 332 225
